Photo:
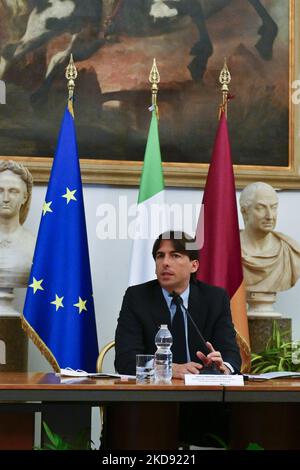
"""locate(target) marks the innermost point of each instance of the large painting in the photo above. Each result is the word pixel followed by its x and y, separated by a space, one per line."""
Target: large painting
pixel 113 43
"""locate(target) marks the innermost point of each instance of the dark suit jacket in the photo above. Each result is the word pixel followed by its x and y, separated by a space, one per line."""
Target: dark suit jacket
pixel 144 309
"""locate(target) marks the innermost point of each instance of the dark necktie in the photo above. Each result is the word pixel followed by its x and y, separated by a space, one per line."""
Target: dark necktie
pixel 178 334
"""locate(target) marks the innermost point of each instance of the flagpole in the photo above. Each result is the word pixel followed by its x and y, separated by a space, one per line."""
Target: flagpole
pixel 224 79
pixel 71 75
pixel 154 79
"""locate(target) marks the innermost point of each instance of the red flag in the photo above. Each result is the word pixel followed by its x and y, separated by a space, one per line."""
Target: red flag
pixel 220 256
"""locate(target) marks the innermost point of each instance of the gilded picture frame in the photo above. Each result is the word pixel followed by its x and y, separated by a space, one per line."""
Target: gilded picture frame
pixel 115 74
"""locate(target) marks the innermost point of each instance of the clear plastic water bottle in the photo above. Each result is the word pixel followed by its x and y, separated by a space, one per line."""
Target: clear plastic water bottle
pixel 163 357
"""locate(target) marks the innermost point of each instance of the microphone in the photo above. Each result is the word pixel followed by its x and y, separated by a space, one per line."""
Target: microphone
pixel 203 344
pixel 206 369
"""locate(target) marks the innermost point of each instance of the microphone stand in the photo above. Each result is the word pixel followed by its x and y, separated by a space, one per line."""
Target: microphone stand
pixel 211 369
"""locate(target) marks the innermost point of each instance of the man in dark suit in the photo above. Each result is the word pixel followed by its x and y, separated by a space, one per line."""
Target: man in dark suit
pixel 146 306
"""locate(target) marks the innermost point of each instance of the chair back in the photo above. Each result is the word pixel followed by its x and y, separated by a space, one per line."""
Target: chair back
pixel 102 354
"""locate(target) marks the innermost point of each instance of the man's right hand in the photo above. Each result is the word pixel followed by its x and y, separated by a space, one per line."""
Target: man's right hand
pixel 178 370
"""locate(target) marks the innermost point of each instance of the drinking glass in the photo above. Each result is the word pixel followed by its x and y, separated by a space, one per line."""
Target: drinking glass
pixel 144 368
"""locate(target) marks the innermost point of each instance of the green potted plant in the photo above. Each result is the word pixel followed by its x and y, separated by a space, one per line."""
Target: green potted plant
pixel 56 442
pixel 278 355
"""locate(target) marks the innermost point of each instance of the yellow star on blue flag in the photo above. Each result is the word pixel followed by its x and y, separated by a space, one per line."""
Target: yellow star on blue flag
pixel 46 207
pixel 69 195
pixel 36 285
pixel 81 304
pixel 58 302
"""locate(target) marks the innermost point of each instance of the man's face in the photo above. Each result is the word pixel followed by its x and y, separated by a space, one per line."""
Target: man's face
pixel 261 215
pixel 173 269
pixel 13 194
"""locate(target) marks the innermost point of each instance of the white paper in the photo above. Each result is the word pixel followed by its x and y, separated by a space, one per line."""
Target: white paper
pixel 68 372
pixel 73 373
pixel 208 379
pixel 273 375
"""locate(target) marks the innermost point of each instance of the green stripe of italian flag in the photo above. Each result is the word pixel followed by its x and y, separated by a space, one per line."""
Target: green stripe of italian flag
pixel 151 212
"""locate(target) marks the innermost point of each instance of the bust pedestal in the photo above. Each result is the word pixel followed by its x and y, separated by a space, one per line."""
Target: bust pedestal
pixel 260 305
pixel 13 340
pixel 260 331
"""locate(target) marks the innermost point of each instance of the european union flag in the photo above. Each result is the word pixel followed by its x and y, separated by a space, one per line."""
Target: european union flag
pixel 59 308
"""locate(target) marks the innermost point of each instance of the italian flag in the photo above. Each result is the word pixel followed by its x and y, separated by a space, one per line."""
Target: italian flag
pixel 151 211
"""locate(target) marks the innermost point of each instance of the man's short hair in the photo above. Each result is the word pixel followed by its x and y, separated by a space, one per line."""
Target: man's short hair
pixel 182 242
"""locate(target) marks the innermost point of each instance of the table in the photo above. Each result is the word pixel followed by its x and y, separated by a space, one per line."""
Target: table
pixel 30 392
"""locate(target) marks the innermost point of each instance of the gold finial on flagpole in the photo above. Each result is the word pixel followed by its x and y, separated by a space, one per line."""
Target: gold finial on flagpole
pixel 71 75
pixel 154 79
pixel 225 79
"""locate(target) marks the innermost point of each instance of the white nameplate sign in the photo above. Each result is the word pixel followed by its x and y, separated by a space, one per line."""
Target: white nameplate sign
pixel 207 379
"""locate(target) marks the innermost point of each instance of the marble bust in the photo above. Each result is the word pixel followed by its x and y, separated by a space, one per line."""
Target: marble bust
pixel 271 260
pixel 16 242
